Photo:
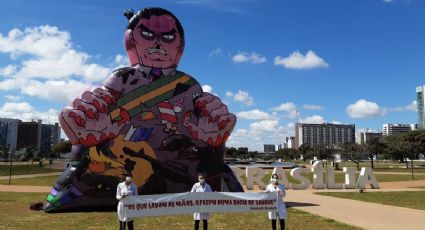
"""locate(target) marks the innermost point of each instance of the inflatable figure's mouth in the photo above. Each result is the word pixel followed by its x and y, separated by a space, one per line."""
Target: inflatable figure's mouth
pixel 159 51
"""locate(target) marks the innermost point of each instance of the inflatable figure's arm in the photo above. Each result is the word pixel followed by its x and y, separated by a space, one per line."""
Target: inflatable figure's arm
pixel 215 121
pixel 86 120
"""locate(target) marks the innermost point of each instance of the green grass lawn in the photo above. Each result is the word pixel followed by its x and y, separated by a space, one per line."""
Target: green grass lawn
pixel 40 181
pixel 25 169
pixel 414 200
pixel 15 214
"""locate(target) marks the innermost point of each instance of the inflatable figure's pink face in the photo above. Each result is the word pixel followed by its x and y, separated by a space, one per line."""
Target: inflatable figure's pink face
pixel 157 41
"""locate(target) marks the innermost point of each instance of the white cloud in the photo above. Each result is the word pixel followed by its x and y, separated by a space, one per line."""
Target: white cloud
pixel 288 107
pixel 315 119
pixel 13 98
pixel 121 61
pixel 215 52
pixel 242 97
pixel 229 94
pixel 336 122
pixel 254 115
pixel 265 125
pixel 259 133
pixel 207 88
pixel 297 60
pixel 313 107
pixel 25 112
pixel 410 107
pixel 388 1
pixel 8 70
pixel 253 58
pixel 364 109
pixel 45 56
pixel 55 90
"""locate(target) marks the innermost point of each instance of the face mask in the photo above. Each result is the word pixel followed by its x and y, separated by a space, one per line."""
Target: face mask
pixel 128 179
pixel 202 181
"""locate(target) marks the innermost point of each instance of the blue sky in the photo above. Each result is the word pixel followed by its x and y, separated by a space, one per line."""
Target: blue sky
pixel 272 61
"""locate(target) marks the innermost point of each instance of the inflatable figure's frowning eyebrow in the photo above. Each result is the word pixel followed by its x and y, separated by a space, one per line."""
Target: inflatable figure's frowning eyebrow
pixel 144 28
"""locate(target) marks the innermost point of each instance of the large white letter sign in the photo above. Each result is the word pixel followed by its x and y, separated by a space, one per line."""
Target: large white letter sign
pixel 296 174
pixel 330 180
pixel 367 177
pixel 318 171
pixel 350 177
pixel 254 175
pixel 238 173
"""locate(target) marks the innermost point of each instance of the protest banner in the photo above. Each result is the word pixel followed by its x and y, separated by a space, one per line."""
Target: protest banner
pixel 202 202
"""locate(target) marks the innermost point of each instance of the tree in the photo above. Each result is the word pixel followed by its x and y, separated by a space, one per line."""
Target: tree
pixel 323 152
pixel 231 152
pixel 61 147
pixel 373 147
pixel 415 146
pixel 306 151
pixel 397 147
pixel 353 152
pixel 4 152
pixel 29 153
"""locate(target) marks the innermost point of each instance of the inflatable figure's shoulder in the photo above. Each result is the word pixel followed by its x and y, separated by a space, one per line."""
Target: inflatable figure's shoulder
pixel 181 73
pixel 123 73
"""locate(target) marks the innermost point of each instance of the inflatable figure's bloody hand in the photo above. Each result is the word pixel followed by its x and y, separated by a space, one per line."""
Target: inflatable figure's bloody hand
pixel 86 120
pixel 215 122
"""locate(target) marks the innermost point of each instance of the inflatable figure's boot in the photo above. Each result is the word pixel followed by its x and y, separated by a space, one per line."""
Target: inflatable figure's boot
pixel 64 192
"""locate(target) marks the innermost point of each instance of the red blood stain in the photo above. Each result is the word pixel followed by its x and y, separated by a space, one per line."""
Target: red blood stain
pixel 78 120
pixel 89 141
pixel 125 116
pixel 109 100
pixel 217 142
pixel 186 117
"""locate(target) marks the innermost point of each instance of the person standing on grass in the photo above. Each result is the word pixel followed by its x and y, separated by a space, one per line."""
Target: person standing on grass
pixel 279 189
pixel 201 186
pixel 125 189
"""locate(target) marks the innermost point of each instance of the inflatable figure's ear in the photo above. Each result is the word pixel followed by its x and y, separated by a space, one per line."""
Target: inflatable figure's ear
pixel 130 47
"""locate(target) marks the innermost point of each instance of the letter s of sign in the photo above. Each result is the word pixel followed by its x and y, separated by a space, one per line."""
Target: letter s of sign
pixel 296 174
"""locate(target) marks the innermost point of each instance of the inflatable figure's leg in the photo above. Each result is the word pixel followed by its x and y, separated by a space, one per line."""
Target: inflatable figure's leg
pixel 64 192
pixel 77 190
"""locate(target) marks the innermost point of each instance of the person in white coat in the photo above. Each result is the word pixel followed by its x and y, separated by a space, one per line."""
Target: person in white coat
pixel 201 186
pixel 279 189
pixel 125 189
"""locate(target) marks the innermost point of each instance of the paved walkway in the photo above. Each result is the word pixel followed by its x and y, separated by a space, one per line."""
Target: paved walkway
pixel 24 188
pixel 357 213
pixel 31 175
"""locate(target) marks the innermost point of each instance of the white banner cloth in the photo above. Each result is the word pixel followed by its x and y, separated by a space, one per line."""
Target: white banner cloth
pixel 202 202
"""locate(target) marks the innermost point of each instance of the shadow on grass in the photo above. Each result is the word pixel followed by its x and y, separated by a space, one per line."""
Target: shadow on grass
pixel 298 204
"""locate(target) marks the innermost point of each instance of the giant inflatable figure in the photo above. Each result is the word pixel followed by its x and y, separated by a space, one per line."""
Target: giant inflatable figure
pixel 148 120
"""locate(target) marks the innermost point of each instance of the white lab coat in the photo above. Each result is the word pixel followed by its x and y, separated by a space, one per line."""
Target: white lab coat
pixel 199 188
pixel 123 189
pixel 281 208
